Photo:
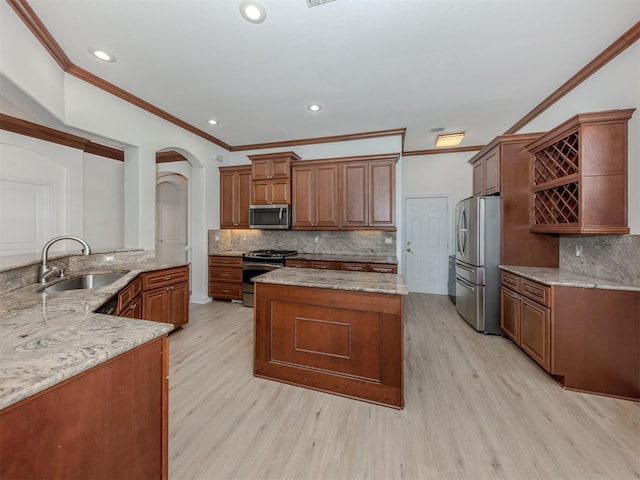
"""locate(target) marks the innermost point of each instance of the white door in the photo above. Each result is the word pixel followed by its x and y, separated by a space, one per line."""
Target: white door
pixel 427 233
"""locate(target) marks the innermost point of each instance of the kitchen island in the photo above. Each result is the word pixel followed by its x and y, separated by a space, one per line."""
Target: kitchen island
pixel 335 331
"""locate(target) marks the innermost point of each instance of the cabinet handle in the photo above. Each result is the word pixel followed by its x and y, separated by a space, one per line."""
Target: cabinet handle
pixel 132 306
pixel 168 277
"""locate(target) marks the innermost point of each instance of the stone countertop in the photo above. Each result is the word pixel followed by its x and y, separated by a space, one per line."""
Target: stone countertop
pixel 12 262
pixel 46 338
pixel 386 283
pixel 325 257
pixel 345 257
pixel 565 278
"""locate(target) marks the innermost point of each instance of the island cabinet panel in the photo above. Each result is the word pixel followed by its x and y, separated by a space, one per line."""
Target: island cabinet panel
pixel 109 422
pixel 348 343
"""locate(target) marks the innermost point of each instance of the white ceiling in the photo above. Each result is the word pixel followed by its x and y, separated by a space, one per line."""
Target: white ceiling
pixel 473 65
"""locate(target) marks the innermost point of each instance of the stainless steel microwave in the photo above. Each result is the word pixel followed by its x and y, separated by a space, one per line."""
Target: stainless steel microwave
pixel 270 217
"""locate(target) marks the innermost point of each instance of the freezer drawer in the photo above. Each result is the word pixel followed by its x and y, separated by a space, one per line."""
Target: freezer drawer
pixel 470 302
pixel 470 273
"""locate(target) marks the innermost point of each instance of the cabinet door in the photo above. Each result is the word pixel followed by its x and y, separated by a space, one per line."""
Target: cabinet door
pixel 279 191
pixel 179 304
pixel 509 311
pixel 243 199
pixel 156 305
pixel 260 169
pixel 535 323
pixel 280 168
pixel 326 198
pixel 492 172
pixel 303 196
pixel 478 178
pixel 260 192
pixel 227 200
pixel 355 195
pixel 382 194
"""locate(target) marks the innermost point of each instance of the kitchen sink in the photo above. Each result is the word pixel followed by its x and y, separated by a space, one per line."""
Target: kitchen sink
pixel 92 280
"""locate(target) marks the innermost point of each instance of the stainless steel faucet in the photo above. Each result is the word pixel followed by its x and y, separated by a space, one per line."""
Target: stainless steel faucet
pixel 44 272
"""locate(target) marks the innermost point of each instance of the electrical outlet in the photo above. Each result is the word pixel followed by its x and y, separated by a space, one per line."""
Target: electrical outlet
pixel 578 250
pixel 388 240
pixel 316 239
pixel 217 238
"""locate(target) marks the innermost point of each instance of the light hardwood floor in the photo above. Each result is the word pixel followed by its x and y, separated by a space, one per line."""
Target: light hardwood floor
pixel 476 407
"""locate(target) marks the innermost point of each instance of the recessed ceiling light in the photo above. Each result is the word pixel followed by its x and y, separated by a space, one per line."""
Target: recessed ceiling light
pixel 252 11
pixel 314 107
pixel 449 139
pixel 102 55
pixel 213 122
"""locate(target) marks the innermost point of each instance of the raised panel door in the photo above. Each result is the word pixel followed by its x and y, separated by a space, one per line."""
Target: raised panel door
pixel 492 172
pixel 382 194
pixel 509 312
pixel 179 294
pixel 260 169
pixel 355 191
pixel 227 200
pixel 260 192
pixel 280 191
pixel 281 168
pixel 156 305
pixel 243 199
pixel 303 196
pixel 535 321
pixel 478 178
pixel 326 196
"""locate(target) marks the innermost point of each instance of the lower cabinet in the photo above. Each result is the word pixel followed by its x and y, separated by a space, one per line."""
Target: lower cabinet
pixel 588 339
pixel 130 300
pixel 108 422
pixel 165 296
pixel 225 277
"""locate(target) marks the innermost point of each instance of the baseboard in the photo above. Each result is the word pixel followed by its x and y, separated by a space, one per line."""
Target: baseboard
pixel 200 300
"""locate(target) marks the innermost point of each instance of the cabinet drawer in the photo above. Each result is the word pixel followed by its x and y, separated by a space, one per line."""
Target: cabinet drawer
pixel 225 261
pixel 353 267
pixel 233 275
pixel 228 291
pixel 382 268
pixel 510 280
pixel 322 265
pixel 162 278
pixel 535 291
pixel 297 263
pixel 128 293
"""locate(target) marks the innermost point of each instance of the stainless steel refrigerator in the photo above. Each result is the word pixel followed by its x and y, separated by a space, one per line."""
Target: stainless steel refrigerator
pixel 477 259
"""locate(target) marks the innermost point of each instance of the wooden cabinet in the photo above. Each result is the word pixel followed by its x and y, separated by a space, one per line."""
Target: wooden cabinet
pixel 225 277
pixel 130 300
pixel 235 196
pixel 315 196
pixel 165 296
pixel 486 173
pixel 368 194
pixel 271 178
pixel 526 317
pixel 108 422
pixel 508 156
pixel 382 268
pixel 587 338
pixel 579 175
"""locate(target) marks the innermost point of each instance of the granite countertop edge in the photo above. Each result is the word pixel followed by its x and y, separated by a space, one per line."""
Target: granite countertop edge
pixel 46 338
pixel 384 283
pixel 567 278
pixel 327 257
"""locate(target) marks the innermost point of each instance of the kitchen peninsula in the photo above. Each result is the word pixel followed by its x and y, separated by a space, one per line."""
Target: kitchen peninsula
pixel 336 331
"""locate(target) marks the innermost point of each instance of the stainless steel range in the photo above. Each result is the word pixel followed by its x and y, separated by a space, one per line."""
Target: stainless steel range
pixel 257 262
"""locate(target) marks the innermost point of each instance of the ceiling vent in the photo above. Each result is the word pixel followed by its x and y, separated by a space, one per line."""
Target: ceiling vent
pixel 315 3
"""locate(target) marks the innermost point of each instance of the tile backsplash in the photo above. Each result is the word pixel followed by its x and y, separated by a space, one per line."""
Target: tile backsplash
pixel 614 257
pixel 359 242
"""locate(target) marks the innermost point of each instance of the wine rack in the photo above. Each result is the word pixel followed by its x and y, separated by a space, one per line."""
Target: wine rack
pixel 579 175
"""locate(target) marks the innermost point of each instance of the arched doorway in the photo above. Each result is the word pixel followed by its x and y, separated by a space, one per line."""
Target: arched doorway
pixel 172 217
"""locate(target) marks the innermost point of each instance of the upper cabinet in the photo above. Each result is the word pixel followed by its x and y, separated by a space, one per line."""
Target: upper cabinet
pixel 315 195
pixel 579 175
pixel 344 193
pixel 486 172
pixel 368 190
pixel 235 194
pixel 271 178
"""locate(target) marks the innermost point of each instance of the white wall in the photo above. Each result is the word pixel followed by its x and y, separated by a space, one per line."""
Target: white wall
pixel 103 202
